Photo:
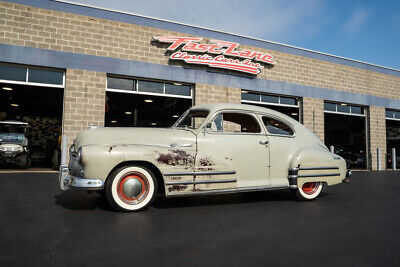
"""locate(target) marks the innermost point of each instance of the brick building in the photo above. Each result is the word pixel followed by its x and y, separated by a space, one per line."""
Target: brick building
pixel 77 65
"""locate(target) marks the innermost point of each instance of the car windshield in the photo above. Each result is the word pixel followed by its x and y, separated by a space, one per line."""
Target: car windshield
pixel 12 133
pixel 192 119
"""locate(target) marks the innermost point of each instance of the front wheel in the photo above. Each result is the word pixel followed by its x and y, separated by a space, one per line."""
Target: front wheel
pixel 131 188
pixel 309 191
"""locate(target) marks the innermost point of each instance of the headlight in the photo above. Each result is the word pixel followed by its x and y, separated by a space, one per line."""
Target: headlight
pixel 18 148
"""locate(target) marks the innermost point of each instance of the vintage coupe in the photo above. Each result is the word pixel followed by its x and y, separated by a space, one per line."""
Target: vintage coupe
pixel 213 148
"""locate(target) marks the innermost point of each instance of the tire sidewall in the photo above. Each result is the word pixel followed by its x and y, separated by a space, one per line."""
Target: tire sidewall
pixel 303 196
pixel 112 192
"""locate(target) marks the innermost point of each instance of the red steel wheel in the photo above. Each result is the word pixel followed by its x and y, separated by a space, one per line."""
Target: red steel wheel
pixel 309 190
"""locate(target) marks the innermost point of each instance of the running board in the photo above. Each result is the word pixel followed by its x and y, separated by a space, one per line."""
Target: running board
pixel 226 191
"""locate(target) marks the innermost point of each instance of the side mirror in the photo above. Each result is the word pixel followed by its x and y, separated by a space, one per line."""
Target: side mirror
pixel 206 127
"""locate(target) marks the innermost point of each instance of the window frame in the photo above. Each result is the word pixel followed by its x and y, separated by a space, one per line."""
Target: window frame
pixel 26 82
pixel 136 87
pixel 290 125
pixel 345 113
pixel 252 114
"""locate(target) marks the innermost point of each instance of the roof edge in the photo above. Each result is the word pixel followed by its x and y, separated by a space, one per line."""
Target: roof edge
pixel 229 33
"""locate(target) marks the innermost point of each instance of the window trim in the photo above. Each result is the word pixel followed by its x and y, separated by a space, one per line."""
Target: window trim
pixel 290 125
pixel 254 115
pixel 136 87
pixel 393 110
pixel 269 103
pixel 344 113
pixel 26 82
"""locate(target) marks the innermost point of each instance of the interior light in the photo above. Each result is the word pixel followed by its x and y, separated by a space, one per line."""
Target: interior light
pixel 15 105
pixel 177 84
pixel 113 121
pixel 175 116
pixel 148 100
pixel 343 104
pixel 153 123
pixel 245 92
pixel 7 88
pixel 128 112
pixel 294 113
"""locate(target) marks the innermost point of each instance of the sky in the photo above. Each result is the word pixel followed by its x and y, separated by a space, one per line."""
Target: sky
pixel 363 30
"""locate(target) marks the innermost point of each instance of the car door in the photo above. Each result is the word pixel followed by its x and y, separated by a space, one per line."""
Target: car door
pixel 232 152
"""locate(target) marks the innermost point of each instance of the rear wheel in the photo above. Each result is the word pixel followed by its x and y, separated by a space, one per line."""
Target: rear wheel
pixel 131 188
pixel 309 191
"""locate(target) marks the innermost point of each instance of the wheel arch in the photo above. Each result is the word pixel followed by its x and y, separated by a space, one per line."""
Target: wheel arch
pixel 146 164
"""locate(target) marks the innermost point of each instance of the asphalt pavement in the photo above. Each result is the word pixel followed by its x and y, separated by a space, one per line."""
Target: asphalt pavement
pixel 354 224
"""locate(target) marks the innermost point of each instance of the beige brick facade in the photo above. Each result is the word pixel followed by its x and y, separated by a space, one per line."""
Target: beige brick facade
pixel 48 29
pixel 377 136
pixel 206 93
pixel 84 101
pixel 313 115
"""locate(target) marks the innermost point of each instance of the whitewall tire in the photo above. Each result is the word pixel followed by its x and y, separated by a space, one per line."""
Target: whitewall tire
pixel 309 191
pixel 131 188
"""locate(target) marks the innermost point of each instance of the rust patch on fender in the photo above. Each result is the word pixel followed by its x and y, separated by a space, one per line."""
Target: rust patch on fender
pixel 176 158
pixel 206 162
pixel 177 188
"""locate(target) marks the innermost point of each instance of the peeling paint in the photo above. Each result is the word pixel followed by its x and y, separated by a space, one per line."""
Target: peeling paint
pixel 176 158
pixel 177 188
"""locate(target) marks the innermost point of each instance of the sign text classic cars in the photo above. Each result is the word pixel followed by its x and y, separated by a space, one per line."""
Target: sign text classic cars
pixel 214 54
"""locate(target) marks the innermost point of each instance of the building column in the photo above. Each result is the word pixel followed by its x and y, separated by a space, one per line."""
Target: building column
pixel 84 101
pixel 313 116
pixel 376 127
pixel 206 93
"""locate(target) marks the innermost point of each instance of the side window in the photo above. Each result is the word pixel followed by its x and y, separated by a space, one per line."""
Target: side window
pixel 277 127
pixel 232 122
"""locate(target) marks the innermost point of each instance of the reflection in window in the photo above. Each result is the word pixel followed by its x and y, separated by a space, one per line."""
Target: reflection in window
pixel 119 83
pixel 193 119
pixel 174 89
pixel 45 76
pixel 151 87
pixel 250 96
pixel 330 106
pixel 269 98
pixel 235 122
pixel 13 73
pixel 277 127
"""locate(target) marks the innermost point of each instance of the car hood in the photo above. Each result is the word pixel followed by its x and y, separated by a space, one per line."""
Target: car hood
pixel 134 135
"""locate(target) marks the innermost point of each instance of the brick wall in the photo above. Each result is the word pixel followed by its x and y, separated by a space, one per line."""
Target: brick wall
pixel 84 101
pixel 313 115
pixel 35 27
pixel 206 93
pixel 377 135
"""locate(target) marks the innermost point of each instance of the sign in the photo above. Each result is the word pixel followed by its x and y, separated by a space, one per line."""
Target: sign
pixel 215 54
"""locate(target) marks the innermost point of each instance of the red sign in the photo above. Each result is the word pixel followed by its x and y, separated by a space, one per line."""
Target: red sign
pixel 213 54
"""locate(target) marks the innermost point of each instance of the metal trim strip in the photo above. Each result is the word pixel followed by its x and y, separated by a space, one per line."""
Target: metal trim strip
pixel 233 190
pixel 318 175
pixel 202 182
pixel 197 173
pixel 318 168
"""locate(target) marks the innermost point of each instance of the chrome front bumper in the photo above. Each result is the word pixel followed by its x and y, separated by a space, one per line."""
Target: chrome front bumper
pixel 67 181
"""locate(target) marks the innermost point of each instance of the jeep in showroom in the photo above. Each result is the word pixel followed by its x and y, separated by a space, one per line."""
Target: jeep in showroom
pixel 14 144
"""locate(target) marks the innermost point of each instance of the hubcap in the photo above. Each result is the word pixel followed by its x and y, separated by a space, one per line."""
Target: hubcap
pixel 133 188
pixel 310 188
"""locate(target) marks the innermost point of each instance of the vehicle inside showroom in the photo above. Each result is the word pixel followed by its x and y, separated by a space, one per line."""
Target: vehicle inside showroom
pixel 345 130
pixel 393 138
pixel 33 96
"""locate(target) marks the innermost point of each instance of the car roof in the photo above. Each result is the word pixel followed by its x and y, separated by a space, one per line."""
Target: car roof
pixel 214 107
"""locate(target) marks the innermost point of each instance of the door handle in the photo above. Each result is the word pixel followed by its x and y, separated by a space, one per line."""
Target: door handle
pixel 180 145
pixel 264 142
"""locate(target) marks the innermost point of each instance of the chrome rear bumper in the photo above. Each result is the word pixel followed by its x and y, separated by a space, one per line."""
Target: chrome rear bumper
pixel 67 181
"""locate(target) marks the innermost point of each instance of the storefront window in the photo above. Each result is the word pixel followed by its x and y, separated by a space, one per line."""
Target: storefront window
pixel 45 76
pixel 12 73
pixel 250 96
pixel 177 89
pixel 330 106
pixel 151 87
pixel 119 83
